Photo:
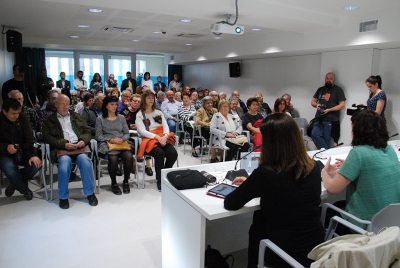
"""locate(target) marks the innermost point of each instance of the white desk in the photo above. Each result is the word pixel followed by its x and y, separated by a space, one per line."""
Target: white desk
pixel 191 220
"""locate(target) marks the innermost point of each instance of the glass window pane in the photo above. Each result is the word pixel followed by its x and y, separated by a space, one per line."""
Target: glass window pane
pixel 60 61
pixel 91 64
pixel 154 64
pixel 119 65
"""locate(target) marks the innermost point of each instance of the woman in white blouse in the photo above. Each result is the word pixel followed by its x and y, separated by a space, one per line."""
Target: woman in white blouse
pixel 153 128
pixel 224 124
pixel 147 82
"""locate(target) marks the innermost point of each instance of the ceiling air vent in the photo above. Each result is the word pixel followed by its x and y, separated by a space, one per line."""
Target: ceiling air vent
pixel 367 26
pixel 189 35
pixel 116 29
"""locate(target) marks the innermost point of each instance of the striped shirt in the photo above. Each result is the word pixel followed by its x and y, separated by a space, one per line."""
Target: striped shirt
pixel 184 113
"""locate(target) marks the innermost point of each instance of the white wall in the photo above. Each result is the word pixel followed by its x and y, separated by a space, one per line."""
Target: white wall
pixel 154 64
pixel 300 76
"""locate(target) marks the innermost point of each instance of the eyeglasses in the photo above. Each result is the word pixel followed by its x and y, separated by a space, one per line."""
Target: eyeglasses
pixel 64 104
pixel 74 95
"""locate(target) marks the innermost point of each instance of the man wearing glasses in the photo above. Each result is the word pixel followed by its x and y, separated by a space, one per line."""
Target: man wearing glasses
pixel 50 107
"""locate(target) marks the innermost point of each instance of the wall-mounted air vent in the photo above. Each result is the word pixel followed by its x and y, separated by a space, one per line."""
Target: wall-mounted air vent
pixel 116 29
pixel 367 26
pixel 189 35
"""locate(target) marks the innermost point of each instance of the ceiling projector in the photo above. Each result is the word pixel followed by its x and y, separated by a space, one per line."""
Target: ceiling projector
pixel 221 28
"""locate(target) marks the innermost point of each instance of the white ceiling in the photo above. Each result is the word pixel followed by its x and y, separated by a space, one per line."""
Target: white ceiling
pixel 51 23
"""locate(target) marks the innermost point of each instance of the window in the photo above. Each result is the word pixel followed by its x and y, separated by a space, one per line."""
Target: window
pixel 60 61
pixel 119 65
pixel 91 64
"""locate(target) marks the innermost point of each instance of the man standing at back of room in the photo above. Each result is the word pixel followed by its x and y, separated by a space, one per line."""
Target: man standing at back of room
pixel 161 84
pixel 79 83
pixel 111 83
pixel 328 100
pixel 65 85
pixel 128 82
pixel 44 84
pixel 175 83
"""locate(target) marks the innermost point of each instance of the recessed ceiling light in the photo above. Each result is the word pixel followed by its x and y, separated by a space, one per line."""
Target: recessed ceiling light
pixel 256 29
pixel 74 36
pixel 95 10
pixel 156 32
pixel 135 40
pixel 351 8
pixel 217 37
pixel 83 26
pixel 188 44
pixel 185 20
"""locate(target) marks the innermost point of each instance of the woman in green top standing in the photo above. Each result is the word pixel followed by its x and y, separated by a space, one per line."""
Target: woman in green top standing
pixel 371 171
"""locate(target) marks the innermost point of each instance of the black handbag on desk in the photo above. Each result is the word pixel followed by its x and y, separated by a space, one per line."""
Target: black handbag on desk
pixel 186 179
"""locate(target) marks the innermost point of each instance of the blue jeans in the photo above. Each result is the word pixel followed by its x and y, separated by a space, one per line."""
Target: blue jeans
pixel 321 134
pixel 64 171
pixel 18 177
pixel 172 125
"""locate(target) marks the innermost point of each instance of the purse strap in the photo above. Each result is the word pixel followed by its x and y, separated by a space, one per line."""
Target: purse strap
pixel 146 123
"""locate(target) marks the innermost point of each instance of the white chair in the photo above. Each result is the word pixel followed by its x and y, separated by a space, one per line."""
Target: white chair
pixel 98 160
pixel 53 164
pixel 218 145
pixel 388 216
pixel 303 124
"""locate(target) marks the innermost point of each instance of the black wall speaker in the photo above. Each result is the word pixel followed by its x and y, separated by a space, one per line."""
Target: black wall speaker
pixel 234 69
pixel 14 41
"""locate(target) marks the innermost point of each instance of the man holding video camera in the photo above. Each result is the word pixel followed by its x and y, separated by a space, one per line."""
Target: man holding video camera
pixel 17 149
pixel 328 100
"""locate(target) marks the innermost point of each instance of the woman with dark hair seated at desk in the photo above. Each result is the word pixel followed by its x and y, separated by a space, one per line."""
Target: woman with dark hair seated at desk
pixel 289 184
pixel 371 171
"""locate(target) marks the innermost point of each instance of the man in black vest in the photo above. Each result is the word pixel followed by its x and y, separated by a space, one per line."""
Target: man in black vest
pixel 65 85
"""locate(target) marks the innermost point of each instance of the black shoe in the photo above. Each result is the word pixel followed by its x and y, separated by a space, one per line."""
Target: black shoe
pixel 92 200
pixel 116 190
pixel 181 141
pixel 148 171
pixel 28 194
pixel 119 172
pixel 159 185
pixel 125 188
pixel 214 160
pixel 64 204
pixel 10 190
pixel 72 176
pixel 194 154
pixel 140 160
pixel 204 152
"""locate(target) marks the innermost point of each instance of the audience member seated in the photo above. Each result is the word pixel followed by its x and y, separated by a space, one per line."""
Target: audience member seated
pixel 87 102
pixel 74 100
pixel 242 104
pixel 139 90
pixel 261 110
pixel 203 118
pixel 194 100
pixel 160 99
pixel 29 112
pixel 250 118
pixel 125 100
pixel 178 97
pixel 186 112
pixel 290 219
pixel 200 92
pixel 66 130
pixel 215 96
pixel 206 92
pixel 146 81
pixel 223 123
pixel 96 83
pixel 90 114
pixel 371 171
pixel 16 148
pixel 50 108
pixel 154 130
pixel 111 83
pixel 280 106
pixel 222 96
pixel 263 104
pixel 156 89
pixel 112 128
pixel 289 106
pixel 44 84
pixel 236 111
pixel 170 110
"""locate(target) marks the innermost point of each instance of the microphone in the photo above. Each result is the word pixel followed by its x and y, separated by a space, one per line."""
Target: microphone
pixel 394 135
pixel 337 145
pixel 232 174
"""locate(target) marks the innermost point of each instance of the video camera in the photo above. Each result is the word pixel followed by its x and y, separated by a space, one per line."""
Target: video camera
pixel 358 108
